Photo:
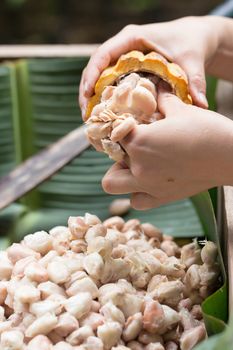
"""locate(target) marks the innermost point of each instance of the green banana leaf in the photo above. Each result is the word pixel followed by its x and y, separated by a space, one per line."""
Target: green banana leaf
pixel 4 243
pixel 215 307
pixel 8 113
pixel 9 116
pixel 223 340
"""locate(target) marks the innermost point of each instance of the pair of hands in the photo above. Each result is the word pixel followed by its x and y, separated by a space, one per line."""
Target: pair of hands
pixel 188 151
pixel 174 158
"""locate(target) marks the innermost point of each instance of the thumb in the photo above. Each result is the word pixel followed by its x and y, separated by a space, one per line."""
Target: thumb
pixel 168 103
pixel 197 83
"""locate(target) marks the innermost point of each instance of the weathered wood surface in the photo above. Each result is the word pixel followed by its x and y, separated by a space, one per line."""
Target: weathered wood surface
pixel 227 238
pixel 40 167
pixel 225 107
pixel 43 51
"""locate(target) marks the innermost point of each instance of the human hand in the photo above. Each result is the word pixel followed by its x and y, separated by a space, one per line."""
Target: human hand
pixel 187 152
pixel 190 42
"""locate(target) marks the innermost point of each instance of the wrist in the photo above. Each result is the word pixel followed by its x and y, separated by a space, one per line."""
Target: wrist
pixel 219 63
pixel 219 28
pixel 225 33
pixel 224 153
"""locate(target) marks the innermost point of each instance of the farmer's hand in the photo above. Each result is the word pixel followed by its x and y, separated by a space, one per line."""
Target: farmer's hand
pixel 191 42
pixel 189 151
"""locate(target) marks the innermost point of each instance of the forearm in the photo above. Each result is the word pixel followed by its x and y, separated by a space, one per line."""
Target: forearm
pixel 221 65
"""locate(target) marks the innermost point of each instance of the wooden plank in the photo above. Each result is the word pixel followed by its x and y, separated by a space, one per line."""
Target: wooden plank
pixel 43 51
pixel 224 97
pixel 227 238
pixel 42 166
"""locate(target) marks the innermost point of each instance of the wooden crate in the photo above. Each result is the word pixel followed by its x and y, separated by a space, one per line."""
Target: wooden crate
pixel 225 107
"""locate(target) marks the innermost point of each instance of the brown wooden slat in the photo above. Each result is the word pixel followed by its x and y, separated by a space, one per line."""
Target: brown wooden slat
pixel 224 97
pixel 43 51
pixel 43 165
pixel 227 238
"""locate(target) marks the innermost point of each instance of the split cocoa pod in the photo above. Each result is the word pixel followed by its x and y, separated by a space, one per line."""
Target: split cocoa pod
pixel 126 95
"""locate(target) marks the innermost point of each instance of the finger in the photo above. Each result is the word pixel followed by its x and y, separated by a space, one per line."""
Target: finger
pixel 119 180
pixel 128 142
pixel 82 99
pixel 123 129
pixel 194 68
pixel 109 52
pixel 168 103
pixel 135 139
pixel 143 201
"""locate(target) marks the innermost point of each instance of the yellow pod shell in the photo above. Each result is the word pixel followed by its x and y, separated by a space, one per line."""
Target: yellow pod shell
pixel 136 61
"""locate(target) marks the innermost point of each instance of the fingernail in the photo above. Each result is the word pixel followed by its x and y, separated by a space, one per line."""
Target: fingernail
pixel 84 111
pixel 202 98
pixel 86 88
